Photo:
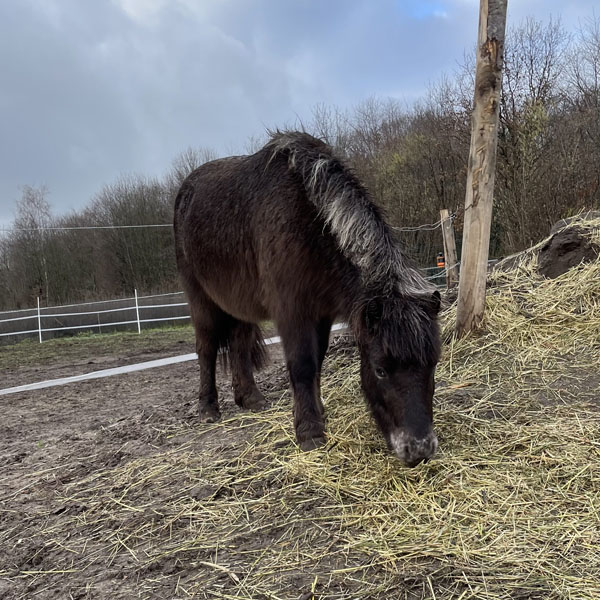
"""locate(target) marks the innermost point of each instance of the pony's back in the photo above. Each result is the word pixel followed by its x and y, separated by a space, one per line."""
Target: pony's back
pixel 247 232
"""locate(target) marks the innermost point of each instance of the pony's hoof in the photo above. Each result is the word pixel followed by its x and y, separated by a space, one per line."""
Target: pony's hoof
pixel 209 413
pixel 254 401
pixel 312 443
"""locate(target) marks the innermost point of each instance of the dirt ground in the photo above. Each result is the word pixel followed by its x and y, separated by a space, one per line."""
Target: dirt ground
pixel 54 441
pixel 111 488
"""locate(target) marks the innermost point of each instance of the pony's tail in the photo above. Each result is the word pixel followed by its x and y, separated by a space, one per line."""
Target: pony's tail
pixel 362 234
pixel 258 350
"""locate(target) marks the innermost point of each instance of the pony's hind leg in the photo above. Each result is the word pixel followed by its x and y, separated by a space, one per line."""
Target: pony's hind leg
pixel 244 345
pixel 211 325
pixel 301 346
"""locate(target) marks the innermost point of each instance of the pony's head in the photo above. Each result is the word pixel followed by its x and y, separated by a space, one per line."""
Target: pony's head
pixel 399 344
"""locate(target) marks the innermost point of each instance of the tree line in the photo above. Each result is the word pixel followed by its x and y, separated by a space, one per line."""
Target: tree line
pixel 412 158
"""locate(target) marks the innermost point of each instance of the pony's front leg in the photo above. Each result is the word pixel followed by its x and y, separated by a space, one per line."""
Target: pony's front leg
pixel 301 348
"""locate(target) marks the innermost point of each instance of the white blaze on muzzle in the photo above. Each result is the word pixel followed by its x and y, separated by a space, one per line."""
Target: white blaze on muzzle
pixel 411 449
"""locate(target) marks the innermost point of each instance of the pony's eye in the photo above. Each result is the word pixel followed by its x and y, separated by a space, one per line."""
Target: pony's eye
pixel 380 372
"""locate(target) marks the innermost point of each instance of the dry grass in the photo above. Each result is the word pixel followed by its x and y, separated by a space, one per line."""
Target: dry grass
pixel 509 509
pixel 91 346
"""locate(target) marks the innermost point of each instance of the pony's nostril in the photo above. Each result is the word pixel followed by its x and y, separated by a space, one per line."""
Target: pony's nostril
pixel 412 450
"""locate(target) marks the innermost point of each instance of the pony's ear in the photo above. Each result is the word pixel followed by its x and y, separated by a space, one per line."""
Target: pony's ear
pixel 372 316
pixel 434 303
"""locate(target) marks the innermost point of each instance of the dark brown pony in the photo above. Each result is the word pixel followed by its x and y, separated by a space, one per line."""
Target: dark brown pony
pixel 290 234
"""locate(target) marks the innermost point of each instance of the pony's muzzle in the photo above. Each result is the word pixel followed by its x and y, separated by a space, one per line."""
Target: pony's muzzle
pixel 412 450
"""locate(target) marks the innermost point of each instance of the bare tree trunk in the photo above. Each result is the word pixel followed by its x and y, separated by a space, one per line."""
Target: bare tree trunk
pixel 482 164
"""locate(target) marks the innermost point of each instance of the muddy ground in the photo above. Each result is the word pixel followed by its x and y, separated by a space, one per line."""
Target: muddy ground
pixel 54 441
pixel 111 488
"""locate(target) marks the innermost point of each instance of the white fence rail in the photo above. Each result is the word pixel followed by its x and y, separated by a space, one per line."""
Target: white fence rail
pixel 135 311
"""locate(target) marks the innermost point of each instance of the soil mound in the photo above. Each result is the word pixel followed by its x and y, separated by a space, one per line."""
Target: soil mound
pixel 565 249
pixel 571 242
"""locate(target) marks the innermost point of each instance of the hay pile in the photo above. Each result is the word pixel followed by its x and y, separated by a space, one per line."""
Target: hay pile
pixel 510 508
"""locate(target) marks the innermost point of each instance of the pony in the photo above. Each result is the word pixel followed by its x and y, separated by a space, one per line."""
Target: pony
pixel 290 234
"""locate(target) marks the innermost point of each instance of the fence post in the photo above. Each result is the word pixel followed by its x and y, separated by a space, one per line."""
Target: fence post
pixel 39 319
pixel 449 248
pixel 481 166
pixel 137 311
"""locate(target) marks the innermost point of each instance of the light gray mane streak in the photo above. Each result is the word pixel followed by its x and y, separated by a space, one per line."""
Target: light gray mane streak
pixel 362 234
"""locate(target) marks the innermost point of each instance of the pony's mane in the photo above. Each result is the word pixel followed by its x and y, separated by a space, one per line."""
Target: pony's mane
pixel 406 327
pixel 407 323
pixel 356 222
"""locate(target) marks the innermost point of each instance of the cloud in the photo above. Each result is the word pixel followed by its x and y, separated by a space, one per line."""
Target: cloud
pixel 142 11
pixel 91 90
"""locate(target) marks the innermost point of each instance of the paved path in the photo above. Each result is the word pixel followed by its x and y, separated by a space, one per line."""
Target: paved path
pixel 151 364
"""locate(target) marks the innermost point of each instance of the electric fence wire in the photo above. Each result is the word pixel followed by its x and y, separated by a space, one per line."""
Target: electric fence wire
pixel 424 227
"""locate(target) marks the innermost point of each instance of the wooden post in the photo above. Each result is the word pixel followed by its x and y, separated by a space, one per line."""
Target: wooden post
pixel 482 166
pixel 39 319
pixel 449 248
pixel 137 311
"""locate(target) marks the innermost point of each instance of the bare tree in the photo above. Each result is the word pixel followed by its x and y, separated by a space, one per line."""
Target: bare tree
pixel 583 69
pixel 412 158
pixel 29 244
pixel 528 108
pixel 136 253
pixel 332 125
pixel 183 165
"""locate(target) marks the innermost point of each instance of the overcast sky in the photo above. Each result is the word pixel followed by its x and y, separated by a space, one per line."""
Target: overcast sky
pixel 90 90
